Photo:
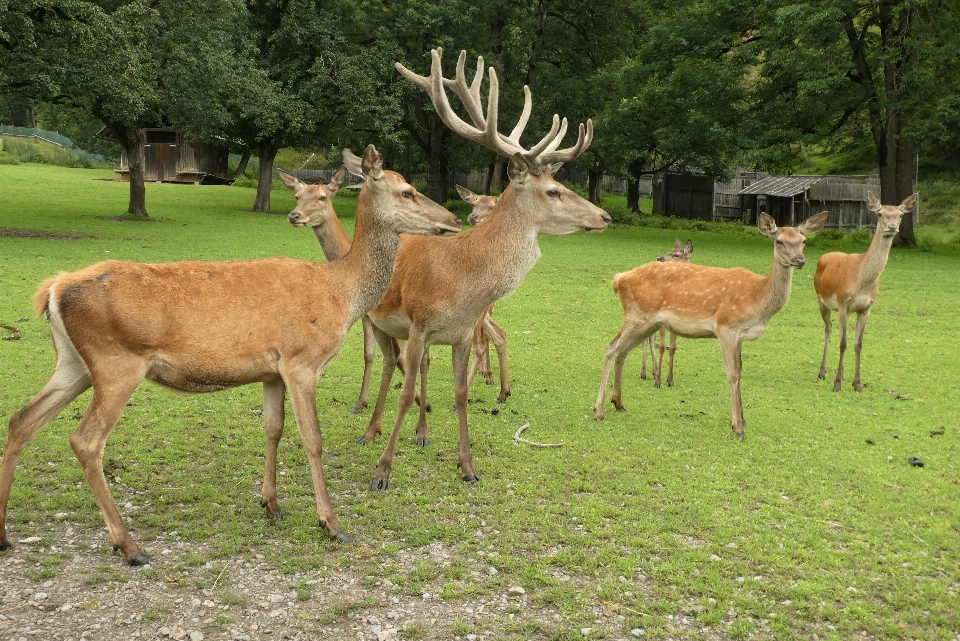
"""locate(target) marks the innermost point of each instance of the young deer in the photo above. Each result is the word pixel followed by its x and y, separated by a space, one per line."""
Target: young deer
pixel 315 210
pixel 210 326
pixel 850 283
pixel 441 289
pixel 680 254
pixel 693 301
pixel 487 329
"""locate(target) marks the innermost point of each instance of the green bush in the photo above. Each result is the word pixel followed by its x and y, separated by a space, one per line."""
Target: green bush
pixel 458 207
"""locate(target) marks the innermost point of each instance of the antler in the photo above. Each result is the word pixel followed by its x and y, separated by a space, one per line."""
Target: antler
pixel 484 130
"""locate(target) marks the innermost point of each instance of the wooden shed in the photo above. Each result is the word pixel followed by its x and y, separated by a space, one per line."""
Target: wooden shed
pixel 683 195
pixel 168 156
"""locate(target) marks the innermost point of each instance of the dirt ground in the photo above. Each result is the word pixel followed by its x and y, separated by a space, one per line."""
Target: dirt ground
pixel 95 595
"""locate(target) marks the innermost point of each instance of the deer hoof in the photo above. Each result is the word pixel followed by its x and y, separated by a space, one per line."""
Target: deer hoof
pixel 379 485
pixel 5 545
pixel 356 410
pixel 471 478
pixel 362 440
pixel 138 560
pixel 423 442
pixel 343 537
pixel 836 386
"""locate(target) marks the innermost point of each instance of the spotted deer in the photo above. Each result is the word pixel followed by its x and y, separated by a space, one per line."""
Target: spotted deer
pixel 680 254
pixel 732 305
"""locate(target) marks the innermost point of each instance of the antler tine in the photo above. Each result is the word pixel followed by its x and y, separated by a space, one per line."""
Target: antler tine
pixel 549 138
pixel 570 154
pixel 524 117
pixel 469 96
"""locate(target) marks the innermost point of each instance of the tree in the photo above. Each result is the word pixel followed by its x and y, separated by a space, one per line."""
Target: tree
pixel 829 63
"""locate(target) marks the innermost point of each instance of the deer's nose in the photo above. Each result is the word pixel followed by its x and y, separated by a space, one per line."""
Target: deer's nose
pixel 800 261
pixel 660 259
pixel 606 219
pixel 293 217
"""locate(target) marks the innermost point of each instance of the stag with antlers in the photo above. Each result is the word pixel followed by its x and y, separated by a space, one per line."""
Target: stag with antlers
pixel 441 289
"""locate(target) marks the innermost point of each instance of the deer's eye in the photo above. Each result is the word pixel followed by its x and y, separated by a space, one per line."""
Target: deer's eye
pixel 323 198
pixel 553 193
pixel 408 194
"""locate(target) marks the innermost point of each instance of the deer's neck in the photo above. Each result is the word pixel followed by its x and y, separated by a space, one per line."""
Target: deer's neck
pixel 875 260
pixel 365 271
pixel 334 241
pixel 777 287
pixel 510 238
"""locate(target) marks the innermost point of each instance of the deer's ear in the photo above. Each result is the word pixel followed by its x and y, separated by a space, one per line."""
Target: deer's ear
pixel 290 181
pixel 353 163
pixel 466 194
pixel 688 249
pixel 814 223
pixel 768 226
pixel 873 203
pixel 909 203
pixel 518 169
pixel 336 182
pixel 372 163
pixel 555 167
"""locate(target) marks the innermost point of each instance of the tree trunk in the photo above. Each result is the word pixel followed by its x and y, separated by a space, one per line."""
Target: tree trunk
pixel 268 148
pixel 536 47
pixel 633 186
pixel 23 115
pixel 594 183
pixel 438 170
pixel 131 142
pixel 242 167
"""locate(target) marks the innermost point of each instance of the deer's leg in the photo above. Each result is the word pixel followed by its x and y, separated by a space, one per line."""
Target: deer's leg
pixel 827 330
pixel 422 439
pixel 643 357
pixel 843 315
pixel 401 351
pixel 858 345
pixel 629 337
pixel 273 416
pixel 730 348
pixel 461 355
pixel 658 364
pixel 499 338
pixel 68 381
pixel 480 353
pixel 369 352
pixel 302 383
pixel 415 353
pixel 673 351
pixel 110 396
pixel 388 347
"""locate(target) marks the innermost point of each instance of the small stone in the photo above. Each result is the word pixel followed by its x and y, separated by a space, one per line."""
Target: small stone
pixel 492 571
pixel 586 631
pixel 31 539
pixel 516 591
pixel 275 598
pixel 39 596
pixel 637 632
pixel 196 635
pixel 164 631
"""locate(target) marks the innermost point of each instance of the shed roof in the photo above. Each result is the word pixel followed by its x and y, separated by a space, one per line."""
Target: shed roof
pixel 781 185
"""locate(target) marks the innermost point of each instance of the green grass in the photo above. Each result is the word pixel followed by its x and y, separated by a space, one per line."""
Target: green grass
pixel 815 525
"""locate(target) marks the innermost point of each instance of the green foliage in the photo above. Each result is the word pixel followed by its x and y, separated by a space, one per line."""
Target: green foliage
pixel 27 150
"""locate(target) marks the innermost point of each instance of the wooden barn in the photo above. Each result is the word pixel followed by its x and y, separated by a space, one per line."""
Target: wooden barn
pixel 168 156
pixel 789 199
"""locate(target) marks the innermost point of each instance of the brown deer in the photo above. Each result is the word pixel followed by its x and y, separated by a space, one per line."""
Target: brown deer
pixel 850 283
pixel 680 254
pixel 693 301
pixel 440 290
pixel 315 210
pixel 210 326
pixel 487 329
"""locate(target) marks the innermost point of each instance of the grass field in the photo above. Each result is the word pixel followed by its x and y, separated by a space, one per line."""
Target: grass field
pixel 815 525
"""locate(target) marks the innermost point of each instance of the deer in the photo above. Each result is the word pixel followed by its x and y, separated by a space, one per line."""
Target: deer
pixel 850 283
pixel 732 305
pixel 315 210
pixel 441 289
pixel 487 329
pixel 680 254
pixel 209 326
